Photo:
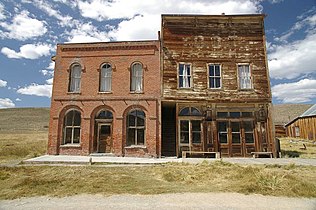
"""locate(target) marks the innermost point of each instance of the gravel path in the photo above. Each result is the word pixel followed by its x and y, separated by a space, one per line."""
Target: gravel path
pixel 221 201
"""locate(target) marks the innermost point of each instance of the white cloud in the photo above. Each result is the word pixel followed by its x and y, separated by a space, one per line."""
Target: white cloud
pixel 3 83
pixel 143 17
pixel 297 92
pixel 49 71
pixel 23 27
pixel 18 99
pixel 29 51
pixel 37 90
pixel 6 103
pixel 64 20
pixel 86 32
pixel 50 81
pixel 2 15
pixel 275 1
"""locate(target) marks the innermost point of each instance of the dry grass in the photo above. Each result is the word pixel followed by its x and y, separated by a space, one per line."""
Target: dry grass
pixel 295 181
pixel 293 148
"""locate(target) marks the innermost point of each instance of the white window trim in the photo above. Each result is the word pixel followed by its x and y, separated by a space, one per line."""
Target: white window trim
pixel 178 75
pixel 208 76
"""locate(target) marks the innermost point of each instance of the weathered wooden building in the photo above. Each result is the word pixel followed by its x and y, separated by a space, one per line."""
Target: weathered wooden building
pixel 215 85
pixel 303 126
pixel 203 87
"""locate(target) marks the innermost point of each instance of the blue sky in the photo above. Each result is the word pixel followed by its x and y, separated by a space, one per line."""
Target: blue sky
pixel 30 30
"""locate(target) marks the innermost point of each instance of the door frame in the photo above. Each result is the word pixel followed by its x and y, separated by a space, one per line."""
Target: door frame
pixel 100 124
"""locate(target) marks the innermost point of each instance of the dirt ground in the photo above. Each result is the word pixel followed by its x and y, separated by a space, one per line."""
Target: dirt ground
pixel 220 201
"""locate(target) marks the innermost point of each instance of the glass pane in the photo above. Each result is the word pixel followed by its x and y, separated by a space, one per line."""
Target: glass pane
pixel 185 112
pixel 211 70
pixel 76 71
pixel 222 114
pixel 234 114
pixel 235 126
pixel 217 82
pixel 184 137
pixel 248 126
pixel 77 118
pixel 76 137
pixel 184 125
pixel 69 118
pixel 235 138
pixel 249 138
pixel 196 137
pixel 68 135
pixel 137 70
pixel 132 118
pixel 188 82
pixel 246 114
pixel 140 137
pixel 105 130
pixel 138 84
pixel 195 112
pixel 105 115
pixel 130 137
pixel 196 125
pixel 212 82
pixel 76 83
pixel 222 126
pixel 217 70
pixel 140 120
pixel 180 81
pixel 223 138
pixel 188 67
pixel 181 68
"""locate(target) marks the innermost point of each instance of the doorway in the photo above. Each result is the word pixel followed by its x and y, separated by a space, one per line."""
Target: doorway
pixel 104 138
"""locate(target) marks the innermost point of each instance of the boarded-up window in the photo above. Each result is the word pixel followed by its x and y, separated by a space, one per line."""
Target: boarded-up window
pixel 72 122
pixel 214 76
pixel 137 77
pixel 75 78
pixel 297 131
pixel 184 75
pixel 245 81
pixel 106 78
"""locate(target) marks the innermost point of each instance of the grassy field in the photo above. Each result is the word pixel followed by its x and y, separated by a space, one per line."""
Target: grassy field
pixel 294 148
pixel 293 181
pixel 26 136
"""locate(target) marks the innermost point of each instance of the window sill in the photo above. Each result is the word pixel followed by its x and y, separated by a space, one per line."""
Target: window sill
pixel 249 89
pixel 108 92
pixel 136 147
pixel 70 146
pixel 73 93
pixel 135 92
pixel 215 89
pixel 185 88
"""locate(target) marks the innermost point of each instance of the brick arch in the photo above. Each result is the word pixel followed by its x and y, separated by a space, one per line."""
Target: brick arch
pixel 99 108
pixel 131 107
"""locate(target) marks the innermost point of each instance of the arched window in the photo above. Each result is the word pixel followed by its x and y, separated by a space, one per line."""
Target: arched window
pixel 190 111
pixel 75 78
pixel 190 126
pixel 105 114
pixel 135 128
pixel 137 77
pixel 72 122
pixel 106 78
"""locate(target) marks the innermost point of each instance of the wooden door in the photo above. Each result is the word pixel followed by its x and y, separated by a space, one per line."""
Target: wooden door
pixel 104 143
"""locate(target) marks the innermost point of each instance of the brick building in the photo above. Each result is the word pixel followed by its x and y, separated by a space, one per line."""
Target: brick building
pixel 203 87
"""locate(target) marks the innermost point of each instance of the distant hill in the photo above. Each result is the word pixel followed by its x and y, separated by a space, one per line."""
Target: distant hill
pixel 24 119
pixel 284 113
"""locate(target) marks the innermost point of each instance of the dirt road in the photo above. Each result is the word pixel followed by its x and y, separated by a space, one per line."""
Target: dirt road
pixel 181 201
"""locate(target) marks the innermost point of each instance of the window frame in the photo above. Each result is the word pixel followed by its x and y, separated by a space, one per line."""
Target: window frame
pixel 72 78
pixel 105 77
pixel 214 77
pixel 72 127
pixel 178 75
pixel 136 128
pixel 240 77
pixel 132 76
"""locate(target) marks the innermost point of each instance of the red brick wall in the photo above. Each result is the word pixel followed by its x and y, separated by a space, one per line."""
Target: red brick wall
pixel 121 55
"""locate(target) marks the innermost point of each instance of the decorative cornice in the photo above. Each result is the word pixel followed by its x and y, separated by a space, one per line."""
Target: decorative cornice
pixel 107 48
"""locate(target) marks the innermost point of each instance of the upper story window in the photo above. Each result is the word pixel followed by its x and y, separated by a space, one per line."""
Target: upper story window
pixel 214 75
pixel 185 76
pixel 106 78
pixel 137 77
pixel 245 80
pixel 75 78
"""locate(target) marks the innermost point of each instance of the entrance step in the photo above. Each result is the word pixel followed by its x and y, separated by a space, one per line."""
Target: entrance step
pixel 102 155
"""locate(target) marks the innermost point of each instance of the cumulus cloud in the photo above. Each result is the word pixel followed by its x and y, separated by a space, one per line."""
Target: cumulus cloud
pixel 6 103
pixel 37 90
pixel 49 70
pixel 86 32
pixel 2 15
pixel 3 83
pixel 142 18
pixel 23 27
pixel 296 92
pixel 29 51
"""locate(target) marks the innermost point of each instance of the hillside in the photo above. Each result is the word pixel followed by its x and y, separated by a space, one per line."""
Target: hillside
pixel 24 119
pixel 283 113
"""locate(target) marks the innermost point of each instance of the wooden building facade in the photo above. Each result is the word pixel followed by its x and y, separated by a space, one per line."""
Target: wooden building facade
pixel 215 85
pixel 304 126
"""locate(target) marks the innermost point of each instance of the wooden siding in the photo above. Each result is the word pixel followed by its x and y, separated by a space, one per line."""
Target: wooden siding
pixel 224 40
pixel 307 128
